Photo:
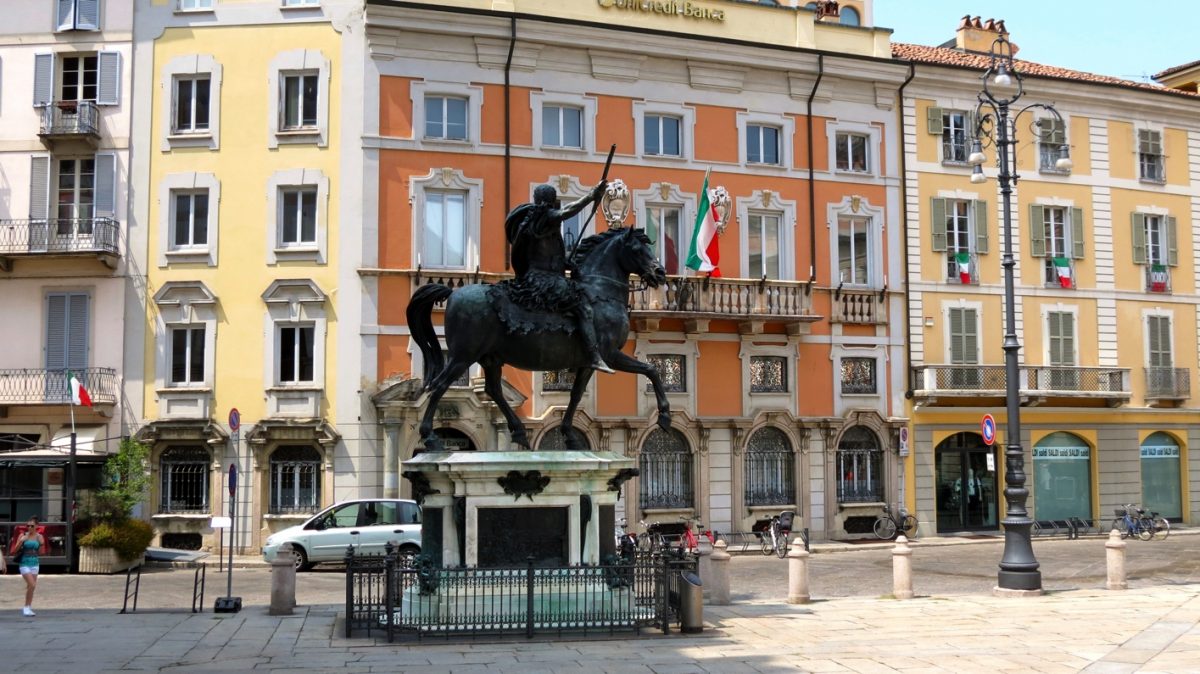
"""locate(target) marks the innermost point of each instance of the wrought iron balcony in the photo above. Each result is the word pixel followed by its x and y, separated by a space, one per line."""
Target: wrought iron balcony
pixel 859 306
pixel 58 237
pixel 50 387
pixel 1036 382
pixel 67 120
pixel 1168 383
pixel 1158 278
pixel 752 300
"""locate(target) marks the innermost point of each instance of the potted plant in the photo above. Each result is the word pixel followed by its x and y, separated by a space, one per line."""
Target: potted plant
pixel 114 540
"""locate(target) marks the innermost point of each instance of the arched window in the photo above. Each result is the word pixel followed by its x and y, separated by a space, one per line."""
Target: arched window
pixel 295 479
pixel 1062 482
pixel 665 463
pixel 859 466
pixel 184 486
pixel 554 440
pixel 848 16
pixel 768 469
pixel 1161 476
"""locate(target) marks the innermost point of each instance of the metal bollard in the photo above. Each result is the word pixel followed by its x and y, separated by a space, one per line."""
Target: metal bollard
pixel 1115 554
pixel 902 585
pixel 283 582
pixel 798 574
pixel 717 582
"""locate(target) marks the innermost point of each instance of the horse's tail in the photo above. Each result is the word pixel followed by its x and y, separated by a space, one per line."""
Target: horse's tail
pixel 420 326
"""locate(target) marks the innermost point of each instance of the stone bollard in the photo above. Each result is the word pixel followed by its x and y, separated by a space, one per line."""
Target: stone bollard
pixel 1115 552
pixel 283 581
pixel 718 580
pixel 704 551
pixel 798 573
pixel 902 585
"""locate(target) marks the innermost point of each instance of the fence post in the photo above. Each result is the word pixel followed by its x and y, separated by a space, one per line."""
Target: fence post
pixel 529 600
pixel 1115 553
pixel 349 590
pixel 389 604
pixel 719 581
pixel 798 574
pixel 283 581
pixel 902 585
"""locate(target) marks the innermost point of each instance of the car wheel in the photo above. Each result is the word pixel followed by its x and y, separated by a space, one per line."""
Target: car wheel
pixel 300 558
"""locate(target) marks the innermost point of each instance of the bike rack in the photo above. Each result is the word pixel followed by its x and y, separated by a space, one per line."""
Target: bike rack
pixel 133 577
pixel 133 585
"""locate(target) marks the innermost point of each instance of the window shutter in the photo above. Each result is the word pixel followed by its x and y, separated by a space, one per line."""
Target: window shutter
pixel 1077 247
pixel 1138 236
pixel 43 80
pixel 1053 130
pixel 106 184
pixel 1143 141
pixel 56 332
pixel 970 339
pixel 1172 247
pixel 934 120
pixel 87 14
pixel 39 188
pixel 64 18
pixel 77 331
pixel 938 223
pixel 1054 328
pixel 1037 231
pixel 1067 355
pixel 956 336
pixel 110 78
pixel 1155 345
pixel 981 227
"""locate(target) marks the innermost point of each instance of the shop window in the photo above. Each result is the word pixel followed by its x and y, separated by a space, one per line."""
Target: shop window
pixel 1062 484
pixel 1161 476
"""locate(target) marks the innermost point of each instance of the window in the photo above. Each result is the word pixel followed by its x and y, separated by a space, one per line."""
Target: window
pixel 1060 330
pixel 184 480
pixel 663 226
pixel 661 136
pixel 298 216
pixel 299 101
pixel 763 245
pixel 1062 478
pixel 854 250
pixel 769 469
pixel 964 347
pixel 558 380
pixel 1160 374
pixel 960 229
pixel 1052 140
pixel 665 466
pixel 187 355
pixel 555 440
pixel 1161 474
pixel 191 104
pixel 955 147
pixel 768 374
pixel 1154 246
pixel 1150 156
pixel 295 480
pixel 848 16
pixel 571 227
pixel 295 354
pixel 77 15
pixel 188 5
pixel 76 194
pixel 562 126
pixel 80 78
pixel 762 144
pixel 672 369
pixel 189 227
pixel 858 376
pixel 1056 233
pixel 445 232
pixel 852 152
pixel 445 118
pixel 67 341
pixel 860 467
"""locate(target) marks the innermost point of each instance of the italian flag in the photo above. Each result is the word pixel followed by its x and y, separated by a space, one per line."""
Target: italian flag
pixel 1062 266
pixel 79 394
pixel 964 267
pixel 704 253
pixel 1158 278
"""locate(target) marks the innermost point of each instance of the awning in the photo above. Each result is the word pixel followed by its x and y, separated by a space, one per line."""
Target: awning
pixel 91 443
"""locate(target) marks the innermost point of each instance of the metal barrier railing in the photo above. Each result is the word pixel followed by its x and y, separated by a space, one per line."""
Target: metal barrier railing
pixel 133 586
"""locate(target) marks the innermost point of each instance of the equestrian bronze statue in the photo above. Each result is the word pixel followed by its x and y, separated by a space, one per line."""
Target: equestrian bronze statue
pixel 541 320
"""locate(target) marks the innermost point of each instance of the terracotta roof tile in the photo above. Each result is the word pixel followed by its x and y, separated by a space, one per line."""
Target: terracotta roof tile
pixel 1174 69
pixel 964 59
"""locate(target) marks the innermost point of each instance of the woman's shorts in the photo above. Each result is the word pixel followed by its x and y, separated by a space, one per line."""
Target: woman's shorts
pixel 28 569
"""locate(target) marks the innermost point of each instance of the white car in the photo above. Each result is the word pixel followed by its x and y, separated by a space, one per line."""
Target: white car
pixel 366 524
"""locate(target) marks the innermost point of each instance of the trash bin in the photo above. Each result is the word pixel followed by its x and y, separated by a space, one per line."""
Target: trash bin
pixel 691 603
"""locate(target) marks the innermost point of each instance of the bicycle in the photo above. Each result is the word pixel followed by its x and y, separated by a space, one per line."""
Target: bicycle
pixel 775 536
pixel 890 523
pixel 1132 521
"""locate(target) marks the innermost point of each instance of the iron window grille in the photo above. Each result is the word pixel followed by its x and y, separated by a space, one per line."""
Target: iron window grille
pixel 665 465
pixel 860 467
pixel 185 474
pixel 672 369
pixel 558 380
pixel 858 375
pixel 769 465
pixel 768 374
pixel 295 480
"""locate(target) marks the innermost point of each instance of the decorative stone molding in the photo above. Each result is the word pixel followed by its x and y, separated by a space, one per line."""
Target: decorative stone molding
pixel 616 65
pixel 716 76
pixel 492 53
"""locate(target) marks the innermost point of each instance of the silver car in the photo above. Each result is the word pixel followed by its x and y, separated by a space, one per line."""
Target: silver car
pixel 366 524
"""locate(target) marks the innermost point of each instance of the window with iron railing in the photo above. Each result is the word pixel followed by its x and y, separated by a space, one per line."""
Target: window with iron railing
pixel 295 479
pixel 672 369
pixel 558 380
pixel 184 475
pixel 1150 156
pixel 860 467
pixel 858 375
pixel 665 467
pixel 768 374
pixel 768 469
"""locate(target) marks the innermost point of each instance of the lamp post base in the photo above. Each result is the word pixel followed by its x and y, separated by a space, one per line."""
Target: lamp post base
pixel 1019 581
pixel 1007 592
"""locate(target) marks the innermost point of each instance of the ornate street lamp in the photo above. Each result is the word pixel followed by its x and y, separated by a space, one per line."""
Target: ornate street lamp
pixel 1002 88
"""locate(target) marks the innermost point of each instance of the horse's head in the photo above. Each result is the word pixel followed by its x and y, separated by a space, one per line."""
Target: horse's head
pixel 638 258
pixel 620 252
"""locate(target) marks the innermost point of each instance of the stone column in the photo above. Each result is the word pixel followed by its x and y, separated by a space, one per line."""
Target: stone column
pixel 283 581
pixel 902 585
pixel 391 461
pixel 798 573
pixel 716 583
pixel 1115 553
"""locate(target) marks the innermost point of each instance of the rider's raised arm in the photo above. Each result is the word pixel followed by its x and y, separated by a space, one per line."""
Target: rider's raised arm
pixel 574 207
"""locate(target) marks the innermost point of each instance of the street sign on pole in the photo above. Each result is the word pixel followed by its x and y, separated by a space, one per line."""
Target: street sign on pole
pixel 229 603
pixel 235 420
pixel 988 426
pixel 233 478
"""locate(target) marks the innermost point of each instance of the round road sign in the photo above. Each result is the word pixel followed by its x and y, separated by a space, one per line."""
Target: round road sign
pixel 235 420
pixel 232 478
pixel 988 425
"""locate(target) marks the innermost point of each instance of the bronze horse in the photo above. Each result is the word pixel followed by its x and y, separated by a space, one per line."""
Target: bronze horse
pixel 475 333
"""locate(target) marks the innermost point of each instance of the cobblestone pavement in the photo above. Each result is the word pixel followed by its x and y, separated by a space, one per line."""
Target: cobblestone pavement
pixel 955 624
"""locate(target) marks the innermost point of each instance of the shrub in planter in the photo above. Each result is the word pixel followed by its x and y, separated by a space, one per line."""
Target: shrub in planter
pixel 129 538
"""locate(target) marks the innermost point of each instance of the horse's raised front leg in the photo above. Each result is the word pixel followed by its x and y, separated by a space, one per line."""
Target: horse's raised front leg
pixel 495 390
pixel 623 362
pixel 439 384
pixel 571 436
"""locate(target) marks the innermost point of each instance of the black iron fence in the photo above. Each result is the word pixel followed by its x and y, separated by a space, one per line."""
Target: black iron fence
pixel 1168 382
pixel 409 596
pixel 70 118
pixel 50 387
pixel 59 235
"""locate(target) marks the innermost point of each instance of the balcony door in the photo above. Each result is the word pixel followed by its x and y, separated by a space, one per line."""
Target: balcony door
pixel 66 342
pixel 75 197
pixel 967 491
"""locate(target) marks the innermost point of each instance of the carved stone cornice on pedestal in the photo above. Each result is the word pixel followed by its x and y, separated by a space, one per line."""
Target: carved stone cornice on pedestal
pixel 704 432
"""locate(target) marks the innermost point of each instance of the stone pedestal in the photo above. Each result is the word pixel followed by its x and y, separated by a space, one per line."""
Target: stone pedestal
pixel 798 573
pixel 716 584
pixel 283 581
pixel 902 582
pixel 500 508
pixel 1114 551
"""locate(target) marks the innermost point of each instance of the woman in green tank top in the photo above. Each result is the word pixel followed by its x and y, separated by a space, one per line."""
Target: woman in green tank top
pixel 27 549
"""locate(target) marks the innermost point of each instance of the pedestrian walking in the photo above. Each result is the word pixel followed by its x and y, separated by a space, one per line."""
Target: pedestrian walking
pixel 27 549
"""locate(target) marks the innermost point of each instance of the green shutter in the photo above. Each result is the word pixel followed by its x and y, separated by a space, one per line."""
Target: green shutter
pixel 956 336
pixel 1077 247
pixel 937 208
pixel 1149 142
pixel 1037 230
pixel 1137 233
pixel 970 339
pixel 1067 347
pixel 981 227
pixel 1172 247
pixel 1054 130
pixel 1054 330
pixel 933 120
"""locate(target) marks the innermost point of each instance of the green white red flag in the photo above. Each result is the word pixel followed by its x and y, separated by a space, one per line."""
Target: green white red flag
pixel 1062 267
pixel 79 394
pixel 964 267
pixel 704 252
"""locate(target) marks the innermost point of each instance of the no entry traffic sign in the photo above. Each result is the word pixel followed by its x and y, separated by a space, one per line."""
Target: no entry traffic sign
pixel 988 425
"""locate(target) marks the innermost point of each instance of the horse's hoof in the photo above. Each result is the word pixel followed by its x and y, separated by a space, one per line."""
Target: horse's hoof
pixel 664 422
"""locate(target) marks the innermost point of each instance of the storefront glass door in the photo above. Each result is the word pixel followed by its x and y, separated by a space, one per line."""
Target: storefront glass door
pixel 967 495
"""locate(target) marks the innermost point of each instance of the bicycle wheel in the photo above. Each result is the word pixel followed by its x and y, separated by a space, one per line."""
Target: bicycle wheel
pixel 768 542
pixel 1145 528
pixel 885 528
pixel 1119 525
pixel 910 526
pixel 1162 528
pixel 781 545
